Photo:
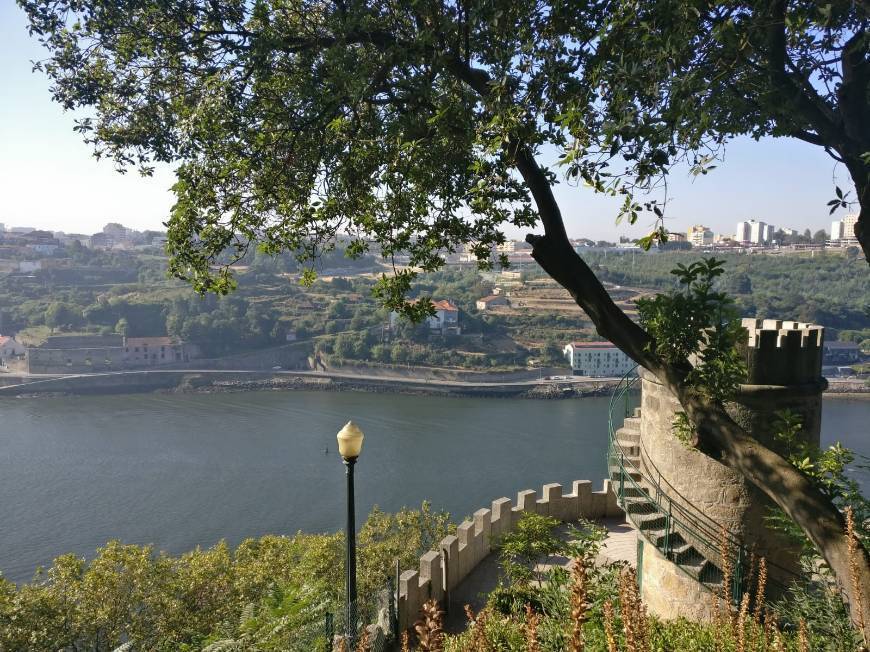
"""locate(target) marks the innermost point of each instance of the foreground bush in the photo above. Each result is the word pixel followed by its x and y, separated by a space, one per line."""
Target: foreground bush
pixel 262 593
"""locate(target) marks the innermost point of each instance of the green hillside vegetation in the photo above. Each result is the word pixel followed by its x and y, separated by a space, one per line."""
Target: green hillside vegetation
pixel 337 315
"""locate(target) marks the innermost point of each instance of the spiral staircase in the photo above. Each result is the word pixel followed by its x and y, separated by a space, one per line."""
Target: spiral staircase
pixel 696 544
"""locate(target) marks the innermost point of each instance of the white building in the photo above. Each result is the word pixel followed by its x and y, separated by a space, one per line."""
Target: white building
pixel 45 249
pixel 767 233
pixel 843 231
pixel 699 235
pixel 742 232
pixel 597 359
pixel 9 349
pixel 491 301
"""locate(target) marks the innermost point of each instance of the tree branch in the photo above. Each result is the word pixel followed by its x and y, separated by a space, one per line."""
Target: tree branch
pixel 802 97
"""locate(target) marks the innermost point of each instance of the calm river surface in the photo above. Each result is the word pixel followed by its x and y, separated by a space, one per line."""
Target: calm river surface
pixel 185 470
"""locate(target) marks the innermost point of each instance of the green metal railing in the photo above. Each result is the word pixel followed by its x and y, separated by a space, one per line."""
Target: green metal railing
pixel 669 522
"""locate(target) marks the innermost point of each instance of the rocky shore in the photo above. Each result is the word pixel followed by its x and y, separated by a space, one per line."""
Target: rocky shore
pixel 212 381
pixel 421 387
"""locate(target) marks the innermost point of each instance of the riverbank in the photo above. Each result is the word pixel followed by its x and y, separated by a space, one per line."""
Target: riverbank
pixel 211 381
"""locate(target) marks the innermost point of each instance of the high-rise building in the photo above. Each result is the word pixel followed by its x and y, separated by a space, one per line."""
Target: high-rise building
pixel 699 235
pixel 756 232
pixel 767 233
pixel 849 223
pixel 843 231
pixel 742 233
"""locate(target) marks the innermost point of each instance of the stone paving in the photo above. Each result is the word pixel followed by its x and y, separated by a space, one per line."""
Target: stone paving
pixel 620 545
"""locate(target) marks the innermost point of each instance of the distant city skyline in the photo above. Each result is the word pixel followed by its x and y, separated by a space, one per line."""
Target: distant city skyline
pixel 50 180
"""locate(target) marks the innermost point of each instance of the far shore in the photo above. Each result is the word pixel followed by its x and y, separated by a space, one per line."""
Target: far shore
pixel 208 381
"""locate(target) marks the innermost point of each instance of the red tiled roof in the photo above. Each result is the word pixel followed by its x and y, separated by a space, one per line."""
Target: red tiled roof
pixel 4 339
pixel 444 305
pixel 593 345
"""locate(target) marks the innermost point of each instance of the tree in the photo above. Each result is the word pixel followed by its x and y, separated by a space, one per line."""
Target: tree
pixel 62 315
pixel 820 236
pixel 418 127
pixel 551 354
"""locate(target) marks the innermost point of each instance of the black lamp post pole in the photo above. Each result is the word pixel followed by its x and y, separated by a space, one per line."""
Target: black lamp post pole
pixel 350 562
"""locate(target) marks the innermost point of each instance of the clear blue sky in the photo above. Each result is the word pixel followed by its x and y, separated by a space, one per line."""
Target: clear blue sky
pixel 48 178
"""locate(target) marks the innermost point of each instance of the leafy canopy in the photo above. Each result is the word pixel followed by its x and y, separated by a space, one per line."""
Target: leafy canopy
pixel 701 323
pixel 400 124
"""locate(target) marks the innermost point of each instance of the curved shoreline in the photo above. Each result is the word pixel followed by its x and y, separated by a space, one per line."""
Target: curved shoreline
pixel 207 381
pixel 214 381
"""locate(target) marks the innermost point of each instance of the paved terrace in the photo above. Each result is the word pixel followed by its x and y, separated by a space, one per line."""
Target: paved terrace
pixel 620 545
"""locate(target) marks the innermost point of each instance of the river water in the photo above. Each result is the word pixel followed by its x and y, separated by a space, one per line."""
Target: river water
pixel 185 470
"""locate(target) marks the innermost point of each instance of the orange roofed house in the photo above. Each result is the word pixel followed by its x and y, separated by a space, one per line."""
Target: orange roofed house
pixel 445 321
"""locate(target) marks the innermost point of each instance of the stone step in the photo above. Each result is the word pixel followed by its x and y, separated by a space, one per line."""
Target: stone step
pixel 636 413
pixel 634 491
pixel 674 540
pixel 654 521
pixel 641 505
pixel 631 423
pixel 631 437
pixel 626 457
pixel 704 571
pixel 630 450
pixel 686 554
pixel 616 473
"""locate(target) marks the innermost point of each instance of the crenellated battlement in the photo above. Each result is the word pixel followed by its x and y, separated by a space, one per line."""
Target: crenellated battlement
pixel 442 570
pixel 783 352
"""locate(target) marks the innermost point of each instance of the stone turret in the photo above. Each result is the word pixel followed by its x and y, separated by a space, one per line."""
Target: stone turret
pixel 783 359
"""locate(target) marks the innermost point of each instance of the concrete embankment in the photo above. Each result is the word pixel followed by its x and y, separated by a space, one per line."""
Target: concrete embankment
pixel 208 381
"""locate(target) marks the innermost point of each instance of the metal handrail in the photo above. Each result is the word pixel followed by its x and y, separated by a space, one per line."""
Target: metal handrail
pixel 680 517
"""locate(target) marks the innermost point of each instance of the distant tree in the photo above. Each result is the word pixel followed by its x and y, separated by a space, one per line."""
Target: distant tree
pixel 338 310
pixel 344 345
pixel 400 353
pixel 122 327
pixel 739 283
pixel 62 315
pixel 551 354
pixel 820 236
pixel 380 353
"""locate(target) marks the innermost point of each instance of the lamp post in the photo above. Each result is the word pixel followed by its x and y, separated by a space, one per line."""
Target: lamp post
pixel 350 439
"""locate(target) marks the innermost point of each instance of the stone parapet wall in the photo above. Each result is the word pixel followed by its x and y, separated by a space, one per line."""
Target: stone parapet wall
pixel 440 571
